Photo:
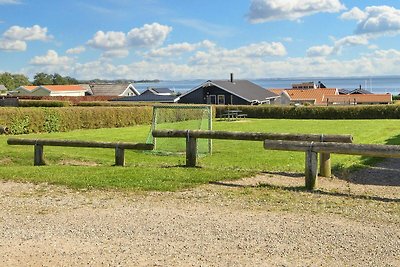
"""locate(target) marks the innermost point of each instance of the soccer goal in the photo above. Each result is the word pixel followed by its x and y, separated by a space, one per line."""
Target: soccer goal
pixel 180 117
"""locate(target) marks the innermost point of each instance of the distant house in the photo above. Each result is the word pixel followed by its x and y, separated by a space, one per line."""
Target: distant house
pixel 304 96
pixel 159 95
pixel 228 92
pixel 328 96
pixel 110 89
pixel 49 90
pixel 359 99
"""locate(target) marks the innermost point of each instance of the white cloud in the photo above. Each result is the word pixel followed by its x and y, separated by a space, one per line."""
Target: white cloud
pixel 375 20
pixel 34 33
pixel 12 45
pixel 248 52
pixel 116 53
pixel 354 14
pixel 108 40
pixel 380 62
pixel 9 2
pixel 76 50
pixel 149 35
pixel 51 58
pixel 320 51
pixel 270 10
pixel 15 38
pixel 325 50
pixel 178 49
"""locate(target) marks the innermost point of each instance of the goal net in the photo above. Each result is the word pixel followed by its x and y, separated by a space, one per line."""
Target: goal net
pixel 182 117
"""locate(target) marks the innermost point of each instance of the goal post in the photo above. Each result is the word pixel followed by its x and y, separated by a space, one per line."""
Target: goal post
pixel 180 117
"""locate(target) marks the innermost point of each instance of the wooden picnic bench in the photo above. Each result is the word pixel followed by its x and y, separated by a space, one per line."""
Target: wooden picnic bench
pixel 38 144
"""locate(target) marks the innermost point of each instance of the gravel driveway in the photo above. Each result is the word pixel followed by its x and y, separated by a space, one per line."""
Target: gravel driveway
pixel 226 224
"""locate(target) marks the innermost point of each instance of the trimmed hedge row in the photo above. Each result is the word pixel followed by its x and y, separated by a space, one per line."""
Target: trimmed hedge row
pixel 313 112
pixel 43 103
pixel 34 120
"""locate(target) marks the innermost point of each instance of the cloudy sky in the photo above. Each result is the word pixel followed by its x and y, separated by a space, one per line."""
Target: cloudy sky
pixel 178 39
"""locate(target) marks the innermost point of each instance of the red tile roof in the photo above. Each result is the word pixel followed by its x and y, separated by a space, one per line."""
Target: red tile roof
pixel 354 99
pixel 57 88
pixel 64 87
pixel 311 94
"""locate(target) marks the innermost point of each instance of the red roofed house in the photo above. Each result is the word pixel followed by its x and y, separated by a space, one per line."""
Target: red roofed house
pixel 357 99
pixel 305 96
pixel 50 90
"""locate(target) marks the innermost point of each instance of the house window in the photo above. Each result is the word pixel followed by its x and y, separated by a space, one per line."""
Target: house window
pixel 221 100
pixel 212 99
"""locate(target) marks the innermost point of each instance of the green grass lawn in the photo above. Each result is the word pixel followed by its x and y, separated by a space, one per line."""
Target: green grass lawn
pixel 147 171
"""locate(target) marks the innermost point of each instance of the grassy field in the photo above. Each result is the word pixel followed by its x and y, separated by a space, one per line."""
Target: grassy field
pixel 92 168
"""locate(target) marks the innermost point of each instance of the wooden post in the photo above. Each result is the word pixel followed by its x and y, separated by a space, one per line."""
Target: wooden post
pixel 191 151
pixel 325 165
pixel 119 156
pixel 311 169
pixel 38 159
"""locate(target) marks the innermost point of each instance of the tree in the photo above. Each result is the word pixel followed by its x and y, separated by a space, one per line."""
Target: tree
pixel 42 78
pixel 20 80
pixel 12 81
pixel 58 79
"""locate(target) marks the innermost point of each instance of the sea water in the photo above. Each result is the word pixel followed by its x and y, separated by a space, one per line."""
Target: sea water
pixel 376 85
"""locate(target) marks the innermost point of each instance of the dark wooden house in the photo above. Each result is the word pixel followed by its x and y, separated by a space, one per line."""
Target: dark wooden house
pixel 228 92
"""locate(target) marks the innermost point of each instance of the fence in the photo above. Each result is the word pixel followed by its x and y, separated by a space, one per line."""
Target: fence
pixel 39 143
pixel 192 136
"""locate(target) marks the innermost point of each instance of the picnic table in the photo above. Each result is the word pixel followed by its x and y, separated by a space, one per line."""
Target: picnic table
pixel 233 114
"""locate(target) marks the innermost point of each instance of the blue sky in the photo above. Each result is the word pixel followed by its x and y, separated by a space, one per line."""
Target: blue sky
pixel 176 39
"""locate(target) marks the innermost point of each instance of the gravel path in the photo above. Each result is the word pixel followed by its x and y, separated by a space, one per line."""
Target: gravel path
pixel 213 225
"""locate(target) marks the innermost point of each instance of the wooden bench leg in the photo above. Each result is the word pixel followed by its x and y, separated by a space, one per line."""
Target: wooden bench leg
pixel 119 156
pixel 325 165
pixel 311 169
pixel 191 152
pixel 38 159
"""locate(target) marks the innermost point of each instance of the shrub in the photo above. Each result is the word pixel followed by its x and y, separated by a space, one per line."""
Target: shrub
pixel 314 112
pixel 28 120
pixel 43 103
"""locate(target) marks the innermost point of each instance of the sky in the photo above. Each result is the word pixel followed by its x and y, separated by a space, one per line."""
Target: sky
pixel 200 39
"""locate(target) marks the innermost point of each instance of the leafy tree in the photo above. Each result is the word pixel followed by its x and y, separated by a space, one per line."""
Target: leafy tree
pixel 12 81
pixel 58 79
pixel 42 78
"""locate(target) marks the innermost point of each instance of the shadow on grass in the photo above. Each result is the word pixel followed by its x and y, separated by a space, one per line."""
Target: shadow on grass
pixel 327 193
pixel 180 166
pixel 373 171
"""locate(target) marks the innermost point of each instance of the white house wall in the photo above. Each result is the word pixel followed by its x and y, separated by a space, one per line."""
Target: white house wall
pixel 66 93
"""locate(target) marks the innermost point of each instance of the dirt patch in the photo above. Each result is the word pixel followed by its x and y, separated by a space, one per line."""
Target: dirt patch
pixel 267 220
pixel 6 161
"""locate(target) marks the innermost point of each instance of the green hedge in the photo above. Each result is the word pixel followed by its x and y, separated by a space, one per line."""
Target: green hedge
pixel 33 120
pixel 112 104
pixel 43 103
pixel 313 112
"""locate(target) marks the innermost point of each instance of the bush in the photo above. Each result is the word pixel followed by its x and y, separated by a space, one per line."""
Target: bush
pixel 314 112
pixel 43 103
pixel 111 104
pixel 34 120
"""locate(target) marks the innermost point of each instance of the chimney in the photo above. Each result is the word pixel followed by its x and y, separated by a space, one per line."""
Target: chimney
pixel 231 77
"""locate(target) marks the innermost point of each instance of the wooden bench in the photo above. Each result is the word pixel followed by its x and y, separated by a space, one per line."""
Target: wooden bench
pixel 38 144
pixel 312 149
pixel 192 136
pixel 242 116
